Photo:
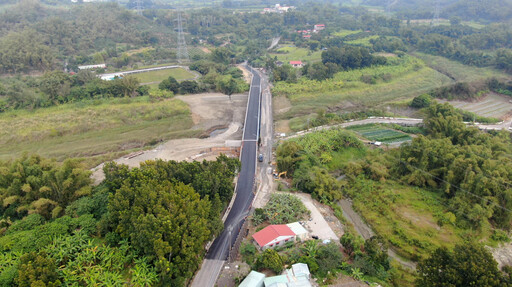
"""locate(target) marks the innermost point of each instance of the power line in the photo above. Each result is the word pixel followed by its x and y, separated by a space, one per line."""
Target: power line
pixel 437 11
pixel 457 187
pixel 182 54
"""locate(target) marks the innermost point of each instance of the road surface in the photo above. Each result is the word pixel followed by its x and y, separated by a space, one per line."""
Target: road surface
pixel 110 76
pixel 219 250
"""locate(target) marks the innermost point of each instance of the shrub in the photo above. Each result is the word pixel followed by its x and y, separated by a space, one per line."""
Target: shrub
pixel 27 223
pixel 421 101
pixel 270 259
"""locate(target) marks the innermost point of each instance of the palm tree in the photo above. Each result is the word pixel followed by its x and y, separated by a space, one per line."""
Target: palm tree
pixel 310 248
pixel 356 273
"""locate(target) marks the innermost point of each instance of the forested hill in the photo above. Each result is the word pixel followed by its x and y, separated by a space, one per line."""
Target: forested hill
pixel 469 10
pixel 34 37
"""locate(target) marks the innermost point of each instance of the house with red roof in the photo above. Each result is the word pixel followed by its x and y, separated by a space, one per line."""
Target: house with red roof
pixel 277 235
pixel 319 27
pixel 296 64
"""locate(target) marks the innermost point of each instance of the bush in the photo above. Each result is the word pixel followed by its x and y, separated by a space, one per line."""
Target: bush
pixel 499 235
pixel 27 223
pixel 270 259
pixel 421 101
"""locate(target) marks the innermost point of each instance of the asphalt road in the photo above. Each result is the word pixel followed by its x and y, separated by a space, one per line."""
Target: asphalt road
pixel 244 189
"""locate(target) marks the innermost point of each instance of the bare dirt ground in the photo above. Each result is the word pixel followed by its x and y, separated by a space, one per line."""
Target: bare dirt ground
pixel 232 273
pixel 323 223
pixel 208 111
pixel 503 255
pixel 346 281
pixel 281 105
pixel 492 105
pixel 247 75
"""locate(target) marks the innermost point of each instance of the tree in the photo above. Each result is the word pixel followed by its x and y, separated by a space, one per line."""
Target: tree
pixel 37 270
pixel 421 101
pixel 270 259
pixel 189 87
pixel 227 85
pixel 469 264
pixel 170 84
pixel 288 156
pixel 169 226
pixel 56 85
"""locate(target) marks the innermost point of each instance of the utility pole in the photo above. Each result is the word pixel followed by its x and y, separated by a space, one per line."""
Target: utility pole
pixel 437 11
pixel 139 7
pixel 182 54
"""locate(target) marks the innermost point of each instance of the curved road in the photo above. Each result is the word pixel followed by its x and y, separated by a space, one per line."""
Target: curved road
pixel 244 193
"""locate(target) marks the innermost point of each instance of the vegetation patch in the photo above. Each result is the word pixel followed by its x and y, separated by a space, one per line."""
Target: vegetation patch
pixel 160 75
pixel 287 54
pixel 366 41
pixel 93 127
pixel 405 77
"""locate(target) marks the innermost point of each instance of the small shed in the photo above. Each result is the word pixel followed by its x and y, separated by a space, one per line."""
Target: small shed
pixel 276 281
pixel 301 269
pixel 300 232
pixel 254 279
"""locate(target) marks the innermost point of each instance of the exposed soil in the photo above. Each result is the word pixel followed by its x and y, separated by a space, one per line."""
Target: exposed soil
pixel 503 255
pixel 209 111
pixel 281 105
pixel 233 273
pixel 247 75
pixel 283 126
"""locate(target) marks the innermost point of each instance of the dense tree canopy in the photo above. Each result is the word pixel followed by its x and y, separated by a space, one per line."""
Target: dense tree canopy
pixel 469 264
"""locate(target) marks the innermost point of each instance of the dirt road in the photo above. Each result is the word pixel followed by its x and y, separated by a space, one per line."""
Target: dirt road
pixel 366 232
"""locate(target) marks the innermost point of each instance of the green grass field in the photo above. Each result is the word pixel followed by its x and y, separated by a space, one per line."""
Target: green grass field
pixel 288 54
pixel 407 77
pixel 458 71
pixel 158 76
pixel 344 33
pixel 97 130
pixel 378 133
pixel 410 222
pixel 363 41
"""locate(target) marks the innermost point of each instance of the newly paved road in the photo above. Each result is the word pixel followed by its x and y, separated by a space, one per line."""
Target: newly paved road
pixel 219 250
pixel 244 190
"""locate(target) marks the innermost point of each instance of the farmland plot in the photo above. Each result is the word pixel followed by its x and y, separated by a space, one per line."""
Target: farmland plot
pixel 492 105
pixel 378 133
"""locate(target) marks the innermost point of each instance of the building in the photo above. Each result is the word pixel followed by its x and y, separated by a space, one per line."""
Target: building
pixel 306 37
pixel 319 27
pixel 89 67
pixel 254 279
pixel 301 233
pixel 273 235
pixel 296 64
pixel 278 9
pixel 297 276
pixel 301 269
pixel 277 235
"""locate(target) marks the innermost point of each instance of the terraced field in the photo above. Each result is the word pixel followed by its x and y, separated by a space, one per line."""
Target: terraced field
pixel 375 132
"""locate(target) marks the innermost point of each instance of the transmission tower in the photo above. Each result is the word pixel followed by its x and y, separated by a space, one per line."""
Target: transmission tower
pixel 389 3
pixel 182 54
pixel 437 11
pixel 139 7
